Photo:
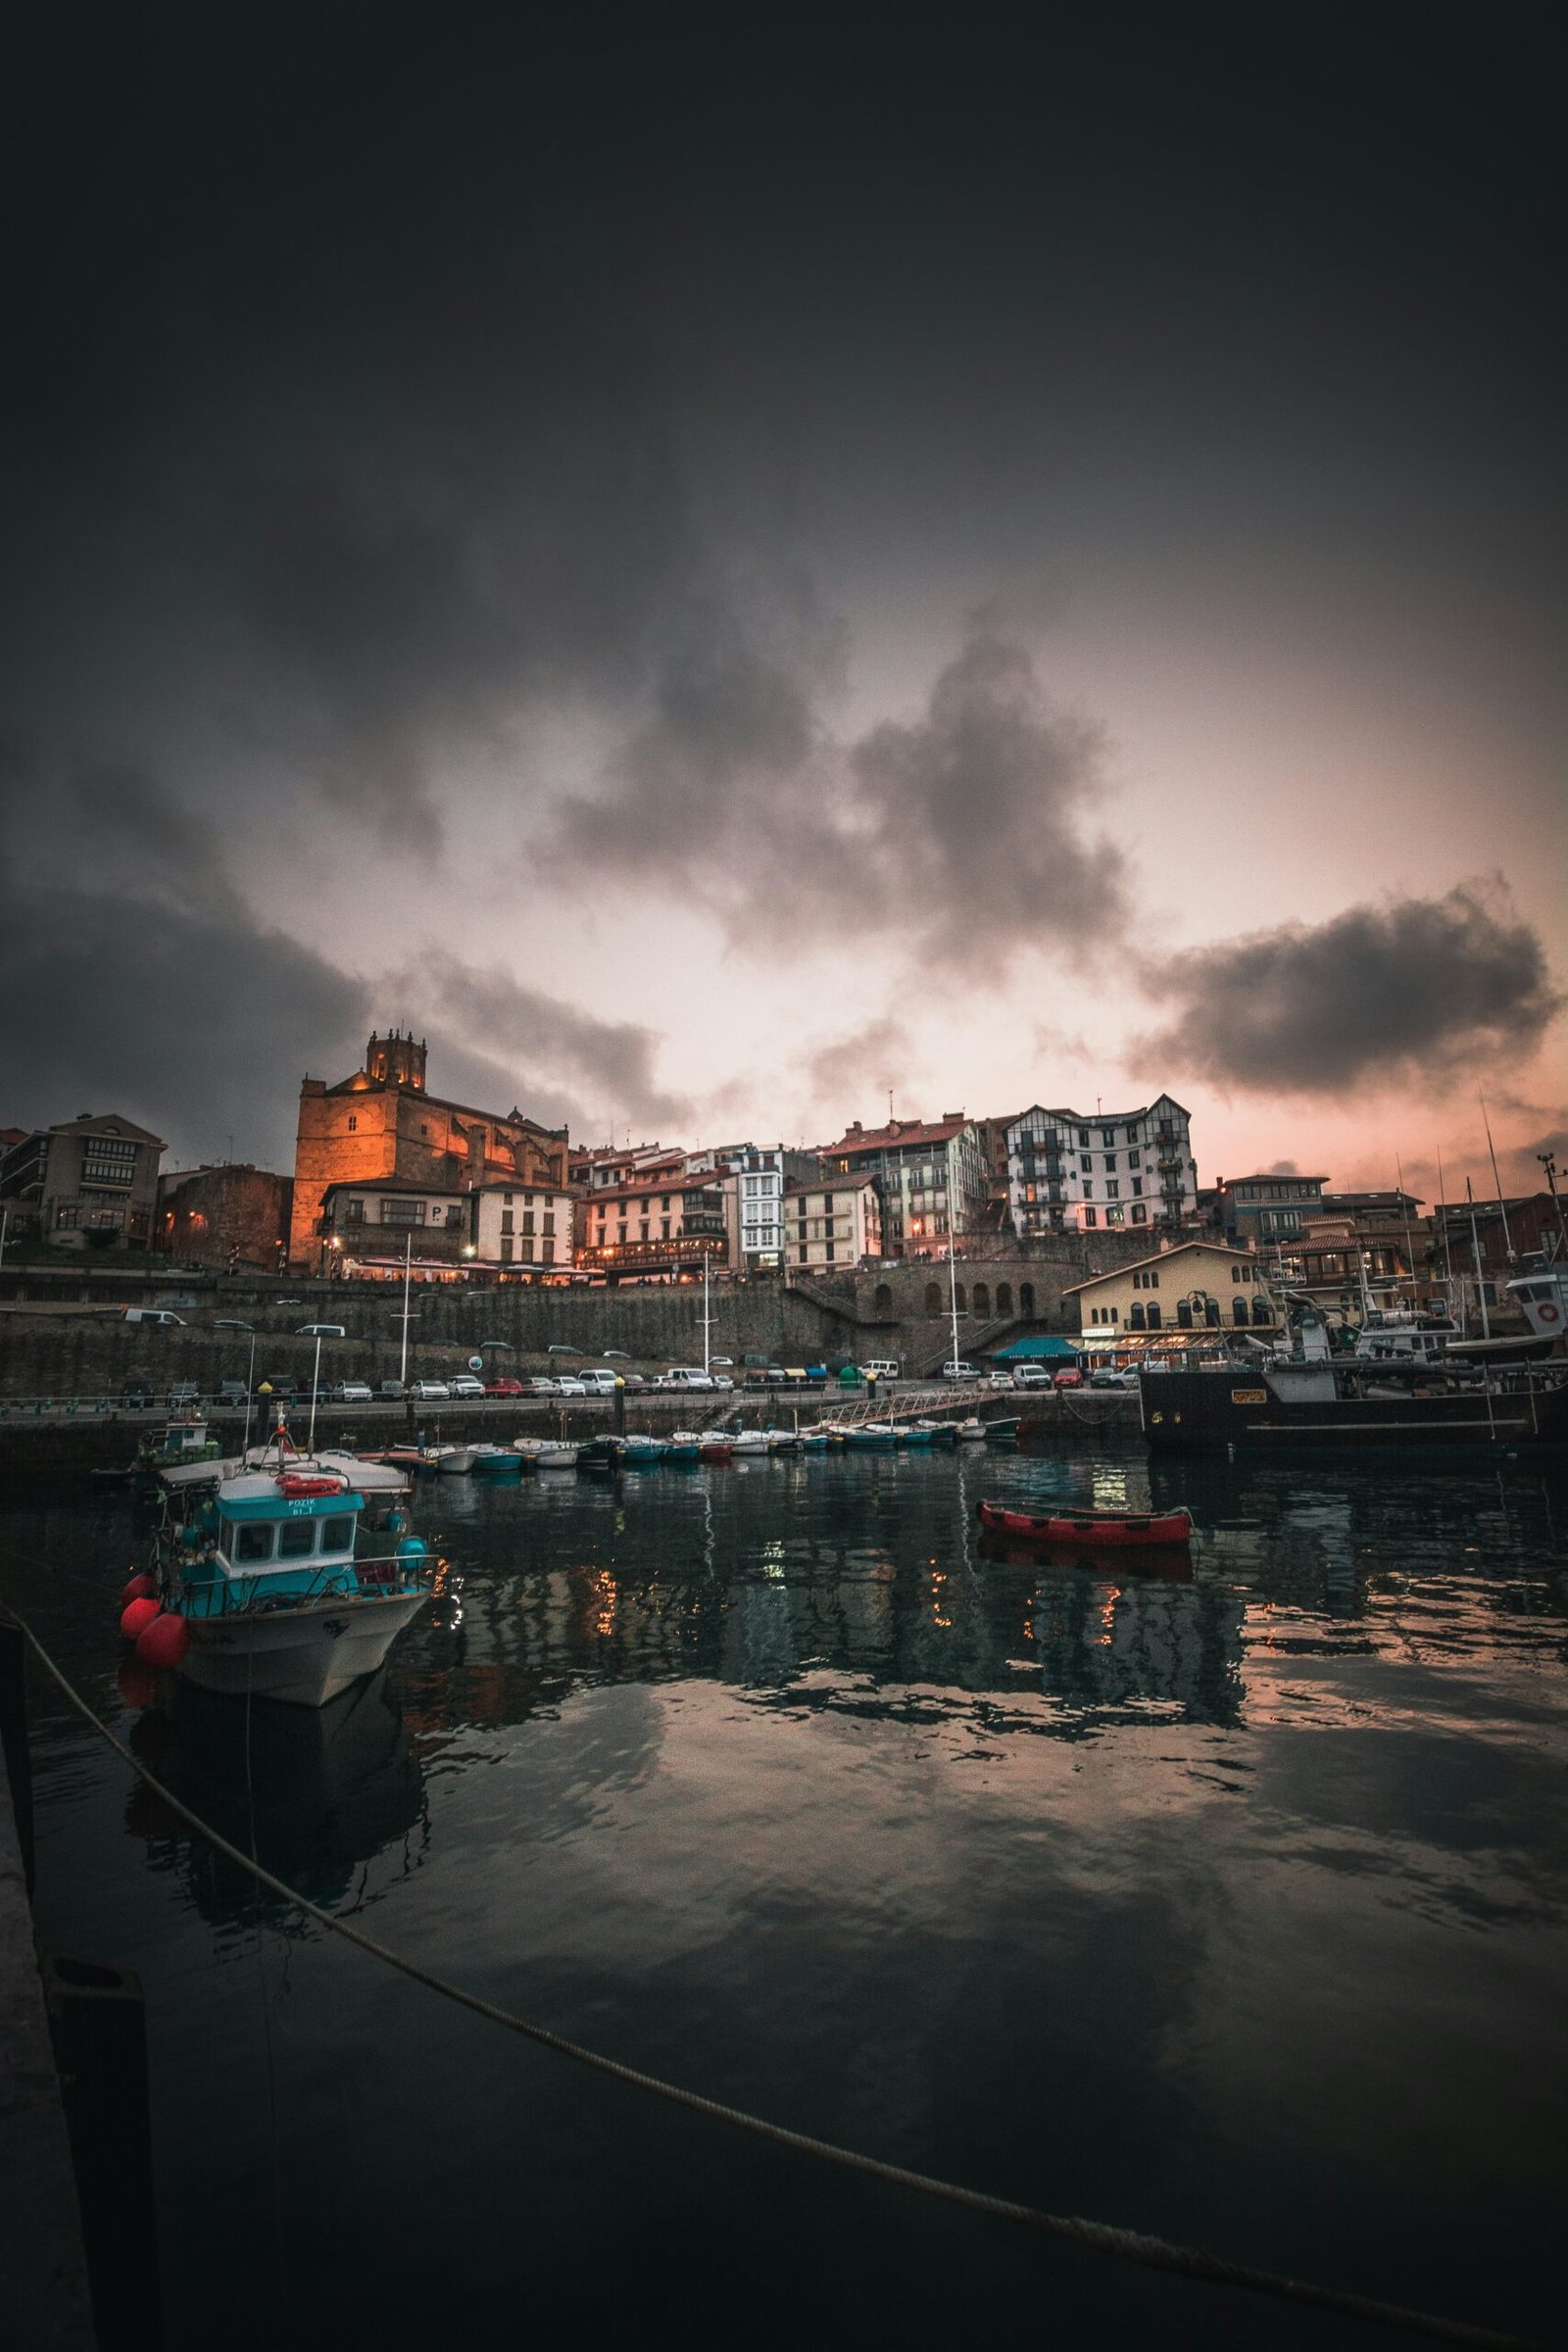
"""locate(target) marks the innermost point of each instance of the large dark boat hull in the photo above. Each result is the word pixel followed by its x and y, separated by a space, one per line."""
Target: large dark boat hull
pixel 1188 1412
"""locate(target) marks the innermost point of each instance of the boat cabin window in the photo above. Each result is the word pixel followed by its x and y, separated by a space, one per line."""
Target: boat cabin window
pixel 253 1541
pixel 296 1539
pixel 337 1535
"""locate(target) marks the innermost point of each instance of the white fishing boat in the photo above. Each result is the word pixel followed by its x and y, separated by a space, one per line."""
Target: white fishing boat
pixel 258 1591
pixel 1541 1291
pixel 547 1454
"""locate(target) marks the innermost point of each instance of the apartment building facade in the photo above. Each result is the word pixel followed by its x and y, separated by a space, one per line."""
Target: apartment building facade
pixel 1072 1172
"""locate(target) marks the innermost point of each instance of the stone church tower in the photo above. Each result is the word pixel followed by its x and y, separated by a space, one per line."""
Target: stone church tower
pixel 382 1123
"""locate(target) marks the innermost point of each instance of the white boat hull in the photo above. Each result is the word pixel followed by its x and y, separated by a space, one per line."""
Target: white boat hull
pixel 304 1656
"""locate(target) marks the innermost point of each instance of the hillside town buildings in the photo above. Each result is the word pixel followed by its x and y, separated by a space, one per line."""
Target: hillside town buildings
pixel 1193 1287
pixel 1070 1172
pixel 653 1226
pixel 834 1222
pixel 89 1183
pixel 227 1217
pixel 932 1178
pixel 1271 1207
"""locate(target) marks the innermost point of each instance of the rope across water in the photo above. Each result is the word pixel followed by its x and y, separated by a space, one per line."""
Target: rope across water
pixel 1100 2237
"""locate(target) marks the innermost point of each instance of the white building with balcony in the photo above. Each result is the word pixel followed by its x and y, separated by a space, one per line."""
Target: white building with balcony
pixel 1072 1172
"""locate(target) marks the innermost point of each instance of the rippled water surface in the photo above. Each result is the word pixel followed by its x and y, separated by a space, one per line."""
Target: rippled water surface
pixel 1229 1906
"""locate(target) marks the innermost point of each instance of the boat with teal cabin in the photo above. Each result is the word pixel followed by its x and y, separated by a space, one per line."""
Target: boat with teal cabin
pixel 260 1591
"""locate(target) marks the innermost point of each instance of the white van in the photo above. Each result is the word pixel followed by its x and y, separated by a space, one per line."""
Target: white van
pixel 880 1368
pixel 597 1381
pixel 686 1376
pixel 152 1314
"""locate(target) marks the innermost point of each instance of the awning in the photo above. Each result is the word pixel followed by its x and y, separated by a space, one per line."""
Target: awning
pixel 1024 1351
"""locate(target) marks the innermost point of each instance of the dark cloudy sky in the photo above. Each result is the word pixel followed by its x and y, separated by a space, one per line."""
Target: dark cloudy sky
pixel 719 569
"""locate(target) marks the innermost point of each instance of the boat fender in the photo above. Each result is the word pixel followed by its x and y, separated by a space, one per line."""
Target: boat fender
pixel 412 1547
pixel 165 1642
pixel 140 1587
pixel 135 1618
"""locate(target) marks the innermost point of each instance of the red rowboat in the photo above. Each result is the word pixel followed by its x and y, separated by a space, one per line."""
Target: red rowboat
pixel 1064 1525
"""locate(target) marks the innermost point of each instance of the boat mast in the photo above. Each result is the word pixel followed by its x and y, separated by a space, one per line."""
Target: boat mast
pixel 1448 1244
pixel 953 1293
pixel 1409 1244
pixel 408 1268
pixel 316 1383
pixel 707 1317
pixel 1507 1238
pixel 1474 1257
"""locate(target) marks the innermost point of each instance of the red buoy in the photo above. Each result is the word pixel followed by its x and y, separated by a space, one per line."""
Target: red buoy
pixel 165 1642
pixel 140 1587
pixel 135 1618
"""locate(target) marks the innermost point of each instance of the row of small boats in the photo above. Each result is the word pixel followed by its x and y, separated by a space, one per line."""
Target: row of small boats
pixel 526 1456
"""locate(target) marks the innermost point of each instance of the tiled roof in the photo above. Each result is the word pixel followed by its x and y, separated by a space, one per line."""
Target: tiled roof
pixel 1162 1257
pixel 896 1136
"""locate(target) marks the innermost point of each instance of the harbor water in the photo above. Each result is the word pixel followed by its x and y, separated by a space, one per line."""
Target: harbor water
pixel 1229 1906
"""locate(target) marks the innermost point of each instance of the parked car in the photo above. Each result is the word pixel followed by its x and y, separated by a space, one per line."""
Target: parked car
pixel 352 1391
pixel 884 1367
pixel 998 1380
pixel 1070 1377
pixel 389 1391
pixel 755 1362
pixel 231 1391
pixel 136 1395
pixel 1111 1377
pixel 428 1392
pixel 1030 1376
pixel 151 1314
pixel 718 1362
pixel 280 1386
pixel 320 1331
pixel 540 1383
pixel 684 1375
pixel 568 1385
pixel 620 1355
pixel 952 1371
pixel 183 1392
pixel 465 1384
pixel 634 1379
pixel 598 1380
pixel 505 1387
pixel 223 1323
pixel 561 1348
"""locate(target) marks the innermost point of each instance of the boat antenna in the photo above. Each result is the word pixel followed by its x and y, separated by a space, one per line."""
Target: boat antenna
pixel 1548 1161
pixel 1507 1238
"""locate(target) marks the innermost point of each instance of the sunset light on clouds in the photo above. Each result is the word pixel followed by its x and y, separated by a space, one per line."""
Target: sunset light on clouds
pixel 720 587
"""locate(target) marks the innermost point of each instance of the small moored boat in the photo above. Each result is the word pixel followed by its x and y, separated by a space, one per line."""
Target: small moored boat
pixel 1063 1524
pixel 258 1591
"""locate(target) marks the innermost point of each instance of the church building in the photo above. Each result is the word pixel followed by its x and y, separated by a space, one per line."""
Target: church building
pixel 381 1123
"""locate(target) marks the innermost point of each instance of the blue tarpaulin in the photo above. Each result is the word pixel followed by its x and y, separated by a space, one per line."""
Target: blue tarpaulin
pixel 1032 1350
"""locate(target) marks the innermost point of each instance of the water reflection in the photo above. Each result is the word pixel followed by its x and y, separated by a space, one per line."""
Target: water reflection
pixel 322 1793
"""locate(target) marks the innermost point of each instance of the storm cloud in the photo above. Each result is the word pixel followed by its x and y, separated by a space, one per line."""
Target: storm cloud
pixel 1416 986
pixel 972 820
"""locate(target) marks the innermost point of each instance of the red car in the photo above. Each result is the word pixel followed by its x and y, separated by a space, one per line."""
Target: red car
pixel 503 1388
pixel 1070 1377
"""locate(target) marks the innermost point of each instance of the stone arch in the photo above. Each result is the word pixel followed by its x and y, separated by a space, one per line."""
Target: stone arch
pixel 962 1298
pixel 1026 1297
pixel 1239 1310
pixel 1184 1313
pixel 1212 1313
pixel 1004 1298
pixel 933 1299
pixel 982 1298
pixel 884 1298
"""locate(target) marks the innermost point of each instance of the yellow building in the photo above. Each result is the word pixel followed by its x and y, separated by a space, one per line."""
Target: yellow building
pixel 1163 1302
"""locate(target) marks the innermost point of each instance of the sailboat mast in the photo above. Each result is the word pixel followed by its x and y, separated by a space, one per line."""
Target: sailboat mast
pixel 1507 1238
pixel 1475 1258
